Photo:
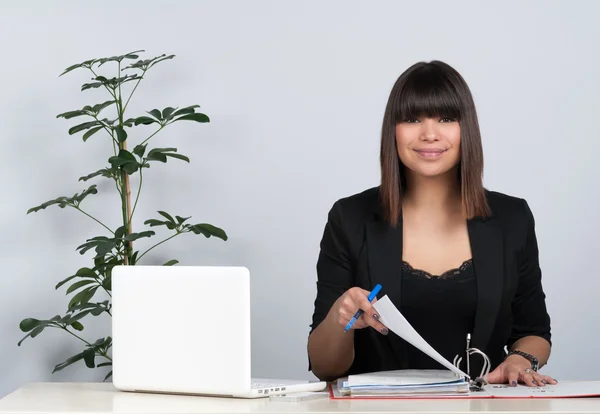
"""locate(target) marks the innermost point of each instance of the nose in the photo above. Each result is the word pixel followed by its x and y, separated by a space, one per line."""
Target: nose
pixel 429 130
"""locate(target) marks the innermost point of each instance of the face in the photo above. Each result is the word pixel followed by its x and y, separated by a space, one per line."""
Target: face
pixel 429 146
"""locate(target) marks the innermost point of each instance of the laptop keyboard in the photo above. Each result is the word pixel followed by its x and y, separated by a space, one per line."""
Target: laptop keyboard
pixel 277 385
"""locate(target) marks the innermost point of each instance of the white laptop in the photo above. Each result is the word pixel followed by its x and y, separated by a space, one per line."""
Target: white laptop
pixel 186 330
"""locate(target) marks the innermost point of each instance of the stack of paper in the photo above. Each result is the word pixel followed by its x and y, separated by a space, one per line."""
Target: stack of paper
pixel 405 382
pixel 440 383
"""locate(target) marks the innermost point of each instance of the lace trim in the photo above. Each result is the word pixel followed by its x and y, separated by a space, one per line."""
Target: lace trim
pixel 466 265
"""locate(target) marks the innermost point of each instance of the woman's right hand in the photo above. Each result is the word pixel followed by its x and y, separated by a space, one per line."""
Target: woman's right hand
pixel 351 301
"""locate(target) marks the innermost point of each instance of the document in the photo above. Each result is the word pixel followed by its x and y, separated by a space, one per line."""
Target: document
pixel 439 383
pixel 397 323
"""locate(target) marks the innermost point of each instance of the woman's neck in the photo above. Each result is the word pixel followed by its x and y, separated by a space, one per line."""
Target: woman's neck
pixel 440 194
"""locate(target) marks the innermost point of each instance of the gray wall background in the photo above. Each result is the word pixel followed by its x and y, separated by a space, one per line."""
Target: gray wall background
pixel 296 92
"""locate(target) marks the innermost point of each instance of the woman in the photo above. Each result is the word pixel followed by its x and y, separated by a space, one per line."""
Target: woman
pixel 453 257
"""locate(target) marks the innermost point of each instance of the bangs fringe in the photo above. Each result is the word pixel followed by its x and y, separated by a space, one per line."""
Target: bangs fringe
pixel 428 92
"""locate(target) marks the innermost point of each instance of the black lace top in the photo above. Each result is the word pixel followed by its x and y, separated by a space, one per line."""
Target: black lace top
pixel 441 309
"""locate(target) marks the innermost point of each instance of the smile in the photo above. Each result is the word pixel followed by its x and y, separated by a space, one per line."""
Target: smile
pixel 431 153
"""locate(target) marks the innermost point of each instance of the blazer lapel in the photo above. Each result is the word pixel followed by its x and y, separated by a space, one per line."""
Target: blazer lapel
pixel 487 249
pixel 384 252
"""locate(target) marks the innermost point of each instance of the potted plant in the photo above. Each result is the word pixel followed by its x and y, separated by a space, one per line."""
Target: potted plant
pixel 108 120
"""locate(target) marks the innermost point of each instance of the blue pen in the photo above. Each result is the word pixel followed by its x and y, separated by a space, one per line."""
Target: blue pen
pixel 372 296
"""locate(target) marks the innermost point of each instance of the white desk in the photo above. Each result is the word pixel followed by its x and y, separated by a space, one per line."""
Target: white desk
pixel 103 398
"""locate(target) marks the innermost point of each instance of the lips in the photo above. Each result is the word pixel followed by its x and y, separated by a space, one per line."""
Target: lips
pixel 431 153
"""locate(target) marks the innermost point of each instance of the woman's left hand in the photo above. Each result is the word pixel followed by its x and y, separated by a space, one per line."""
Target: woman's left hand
pixel 517 369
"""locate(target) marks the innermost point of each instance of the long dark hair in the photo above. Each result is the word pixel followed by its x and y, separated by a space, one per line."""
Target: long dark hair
pixel 432 89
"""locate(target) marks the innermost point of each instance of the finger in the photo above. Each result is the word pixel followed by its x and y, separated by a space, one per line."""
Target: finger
pixel 363 303
pixel 527 378
pixel 548 380
pixel 370 315
pixel 496 376
pixel 513 377
pixel 374 322
pixel 538 379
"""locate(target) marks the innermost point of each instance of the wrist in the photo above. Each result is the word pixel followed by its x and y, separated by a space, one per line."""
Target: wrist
pixel 519 360
pixel 524 358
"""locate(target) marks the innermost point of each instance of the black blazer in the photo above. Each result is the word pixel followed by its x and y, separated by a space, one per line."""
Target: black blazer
pixel 359 248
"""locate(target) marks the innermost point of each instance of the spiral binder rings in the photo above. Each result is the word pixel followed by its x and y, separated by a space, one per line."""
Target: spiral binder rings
pixel 479 382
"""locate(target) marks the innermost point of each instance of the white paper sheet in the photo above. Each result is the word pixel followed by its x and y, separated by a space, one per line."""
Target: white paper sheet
pixel 391 317
pixel 561 390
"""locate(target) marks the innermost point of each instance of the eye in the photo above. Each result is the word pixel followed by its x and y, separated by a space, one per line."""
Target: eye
pixel 447 119
pixel 411 120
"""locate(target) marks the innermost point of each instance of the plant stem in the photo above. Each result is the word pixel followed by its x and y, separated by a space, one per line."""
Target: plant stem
pixel 155 132
pixel 106 87
pixel 134 88
pixel 125 186
pixel 95 219
pixel 76 336
pixel 138 194
pixel 114 141
pixel 158 244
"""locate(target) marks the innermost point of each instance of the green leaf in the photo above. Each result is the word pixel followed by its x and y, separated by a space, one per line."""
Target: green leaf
pixel 171 262
pixel 28 324
pixel 135 236
pixel 77 326
pixel 134 257
pixel 104 364
pixel 99 107
pixel 103 245
pixel 166 113
pixel 148 63
pixel 91 190
pixel 105 172
pixel 181 220
pixel 92 85
pixel 112 83
pixel 83 296
pixel 68 362
pixel 88 356
pixel 120 232
pixel 198 117
pixel 144 120
pixel 125 160
pixel 65 281
pixel 156 156
pixel 178 156
pixel 86 272
pixel 185 111
pixel 154 223
pixel 37 331
pixel 167 216
pixel 139 150
pixel 90 133
pixel 93 308
pixel 71 114
pixel 62 202
pixel 208 230
pixel 86 110
pixel 130 55
pixel 86 64
pixel 79 284
pixel 107 283
pixel 161 154
pixel 108 376
pixel 156 114
pixel 83 272
pixel 121 134
pixel 79 316
pixel 82 127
